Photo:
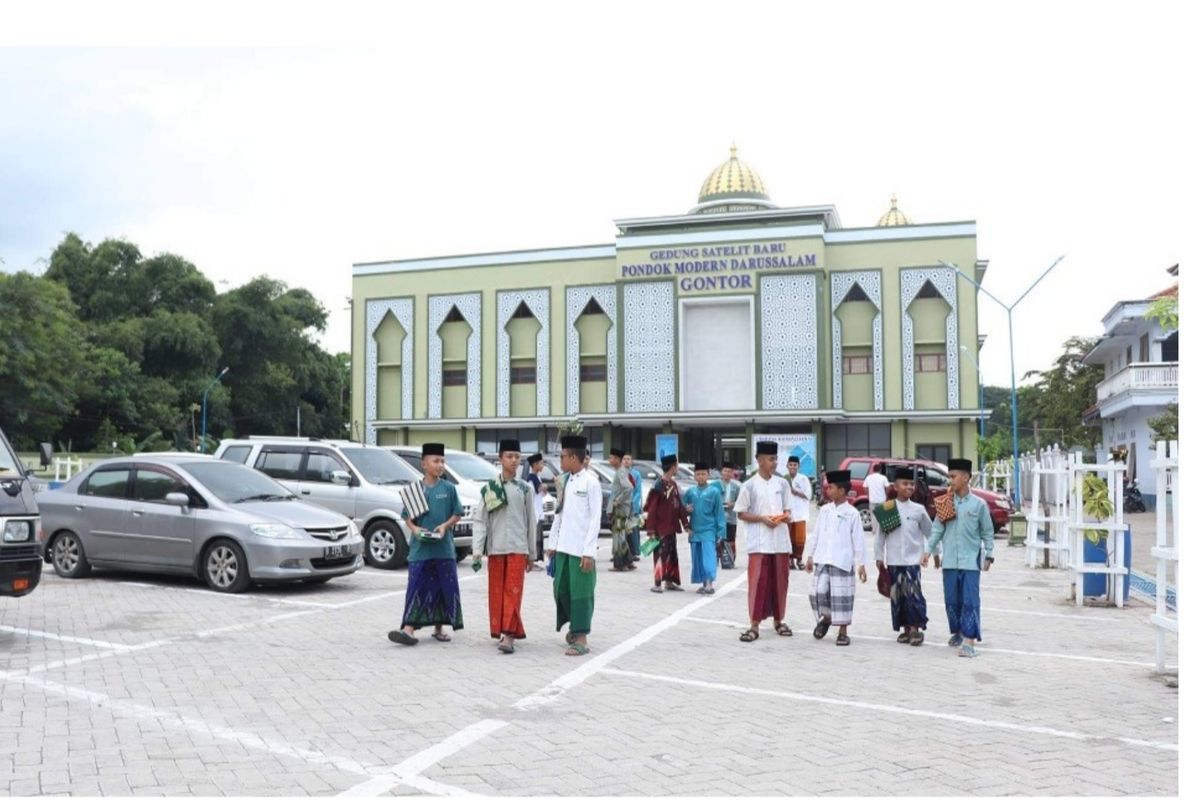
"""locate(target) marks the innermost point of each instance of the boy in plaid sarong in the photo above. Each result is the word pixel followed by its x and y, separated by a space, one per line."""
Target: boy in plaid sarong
pixel 834 548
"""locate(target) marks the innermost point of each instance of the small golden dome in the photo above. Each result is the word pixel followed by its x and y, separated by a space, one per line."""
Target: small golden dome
pixel 893 217
pixel 733 180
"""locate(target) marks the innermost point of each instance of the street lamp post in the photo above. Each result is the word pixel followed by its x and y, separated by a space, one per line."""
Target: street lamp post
pixel 1012 361
pixel 204 409
pixel 978 382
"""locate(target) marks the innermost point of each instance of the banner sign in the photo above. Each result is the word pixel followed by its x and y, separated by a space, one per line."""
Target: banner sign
pixel 801 445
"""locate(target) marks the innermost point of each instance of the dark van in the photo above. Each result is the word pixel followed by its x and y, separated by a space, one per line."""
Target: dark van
pixel 20 527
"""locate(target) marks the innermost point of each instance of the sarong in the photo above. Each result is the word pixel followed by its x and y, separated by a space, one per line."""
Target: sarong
pixel 506 587
pixel 666 561
pixel 908 603
pixel 832 594
pixel 621 550
pixel 961 587
pixel 768 582
pixel 704 562
pixel 432 596
pixel 798 530
pixel 574 593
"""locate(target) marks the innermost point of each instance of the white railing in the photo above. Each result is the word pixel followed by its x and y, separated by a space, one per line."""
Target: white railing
pixel 1113 529
pixel 1050 486
pixel 1140 376
pixel 1166 549
pixel 65 467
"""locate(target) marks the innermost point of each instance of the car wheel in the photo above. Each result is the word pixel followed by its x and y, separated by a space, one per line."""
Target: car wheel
pixel 386 547
pixel 224 567
pixel 865 513
pixel 66 553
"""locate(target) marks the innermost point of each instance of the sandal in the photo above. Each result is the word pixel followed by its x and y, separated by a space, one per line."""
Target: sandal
pixel 917 639
pixel 843 640
pixel 656 589
pixel 571 638
pixel 967 651
pixel 822 629
pixel 674 587
pixel 506 648
pixel 402 637
pixel 904 638
pixel 749 635
pixel 442 637
pixel 783 630
pixel 956 640
pixel 576 649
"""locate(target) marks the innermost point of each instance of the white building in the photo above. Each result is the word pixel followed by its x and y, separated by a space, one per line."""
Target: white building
pixel 1141 376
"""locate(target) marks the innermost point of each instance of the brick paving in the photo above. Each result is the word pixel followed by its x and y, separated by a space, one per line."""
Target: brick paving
pixel 135 685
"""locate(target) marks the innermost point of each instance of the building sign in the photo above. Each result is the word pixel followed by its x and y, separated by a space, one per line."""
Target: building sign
pixel 801 445
pixel 716 267
pixel 665 444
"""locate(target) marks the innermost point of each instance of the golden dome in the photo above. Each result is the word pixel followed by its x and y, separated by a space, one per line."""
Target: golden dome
pixel 893 217
pixel 733 180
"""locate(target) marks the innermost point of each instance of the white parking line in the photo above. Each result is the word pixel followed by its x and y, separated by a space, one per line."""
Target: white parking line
pixel 983 649
pixel 898 710
pixel 58 637
pixel 547 694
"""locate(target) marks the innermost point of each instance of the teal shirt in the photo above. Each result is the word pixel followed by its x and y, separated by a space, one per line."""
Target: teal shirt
pixel 443 504
pixel 962 536
pixel 730 491
pixel 708 512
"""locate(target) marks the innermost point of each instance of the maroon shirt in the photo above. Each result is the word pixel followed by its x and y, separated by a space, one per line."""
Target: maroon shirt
pixel 665 512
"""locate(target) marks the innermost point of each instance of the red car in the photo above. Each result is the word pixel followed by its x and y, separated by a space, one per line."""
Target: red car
pixel 933 480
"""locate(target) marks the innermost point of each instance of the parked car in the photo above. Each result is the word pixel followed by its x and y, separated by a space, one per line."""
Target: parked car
pixel 651 472
pixel 933 480
pixel 21 542
pixel 191 514
pixel 358 481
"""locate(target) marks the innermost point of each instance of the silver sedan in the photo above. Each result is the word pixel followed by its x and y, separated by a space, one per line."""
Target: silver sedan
pixel 194 515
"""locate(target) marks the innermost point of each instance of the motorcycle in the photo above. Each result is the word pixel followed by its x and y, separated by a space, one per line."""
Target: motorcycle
pixel 1133 502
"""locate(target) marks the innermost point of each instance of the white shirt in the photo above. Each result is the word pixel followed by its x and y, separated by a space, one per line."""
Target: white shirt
pixel 766 498
pixel 837 538
pixel 904 546
pixel 576 528
pixel 876 485
pixel 801 484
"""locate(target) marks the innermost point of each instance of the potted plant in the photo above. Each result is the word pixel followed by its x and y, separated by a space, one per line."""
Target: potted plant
pixel 1098 504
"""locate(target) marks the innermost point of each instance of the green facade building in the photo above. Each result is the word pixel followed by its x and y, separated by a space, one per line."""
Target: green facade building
pixel 737 318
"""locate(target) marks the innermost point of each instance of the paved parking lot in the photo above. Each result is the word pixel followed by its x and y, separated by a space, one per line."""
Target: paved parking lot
pixel 123 684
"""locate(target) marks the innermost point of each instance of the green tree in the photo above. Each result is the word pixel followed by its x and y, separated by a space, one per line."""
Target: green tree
pixel 1165 311
pixel 1066 391
pixel 1166 425
pixel 42 354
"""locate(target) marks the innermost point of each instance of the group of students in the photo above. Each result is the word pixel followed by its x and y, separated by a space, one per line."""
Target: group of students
pixel 770 511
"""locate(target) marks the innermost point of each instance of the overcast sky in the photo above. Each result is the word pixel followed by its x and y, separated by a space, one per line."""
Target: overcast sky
pixel 1057 127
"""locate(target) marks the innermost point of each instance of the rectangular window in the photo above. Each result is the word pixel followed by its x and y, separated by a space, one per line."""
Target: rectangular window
pixel 237 453
pixel 597 373
pixel 1144 348
pixel 931 362
pixel 934 452
pixel 153 487
pixel 522 375
pixel 321 466
pixel 282 465
pixel 857 365
pixel 454 376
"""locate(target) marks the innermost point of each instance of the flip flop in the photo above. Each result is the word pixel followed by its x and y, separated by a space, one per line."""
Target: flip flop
pixel 904 638
pixel 749 635
pixel 821 629
pixel 843 640
pixel 955 641
pixel 967 651
pixel 674 587
pixel 576 649
pixel 656 589
pixel 570 638
pixel 506 648
pixel 442 637
pixel 917 639
pixel 783 630
pixel 402 637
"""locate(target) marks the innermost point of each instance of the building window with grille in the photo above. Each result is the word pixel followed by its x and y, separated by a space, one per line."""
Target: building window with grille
pixel 931 362
pixel 593 373
pixel 857 365
pixel 454 376
pixel 522 374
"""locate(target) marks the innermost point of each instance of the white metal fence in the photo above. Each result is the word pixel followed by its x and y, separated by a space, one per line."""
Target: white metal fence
pixel 1166 549
pixel 1113 528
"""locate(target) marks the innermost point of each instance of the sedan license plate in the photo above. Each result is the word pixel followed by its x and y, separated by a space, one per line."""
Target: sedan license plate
pixel 338 551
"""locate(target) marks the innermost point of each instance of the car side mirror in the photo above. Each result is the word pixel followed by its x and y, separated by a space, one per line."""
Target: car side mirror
pixel 177 499
pixel 340 477
pixel 46 453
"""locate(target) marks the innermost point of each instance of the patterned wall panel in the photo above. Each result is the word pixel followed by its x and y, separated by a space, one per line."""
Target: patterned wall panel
pixel 840 285
pixel 649 309
pixel 538 301
pixel 402 309
pixel 944 279
pixel 577 298
pixel 470 305
pixel 789 323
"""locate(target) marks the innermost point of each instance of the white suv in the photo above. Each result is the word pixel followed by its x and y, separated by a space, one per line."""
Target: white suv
pixel 467 471
pixel 357 480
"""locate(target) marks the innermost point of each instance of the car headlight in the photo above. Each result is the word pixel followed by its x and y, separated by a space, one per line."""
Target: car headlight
pixel 272 530
pixel 353 530
pixel 18 530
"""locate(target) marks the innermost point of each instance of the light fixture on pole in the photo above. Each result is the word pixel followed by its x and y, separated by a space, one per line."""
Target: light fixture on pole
pixel 204 409
pixel 1012 362
pixel 978 382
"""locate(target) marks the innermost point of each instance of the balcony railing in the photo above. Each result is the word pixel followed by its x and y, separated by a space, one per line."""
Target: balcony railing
pixel 1140 377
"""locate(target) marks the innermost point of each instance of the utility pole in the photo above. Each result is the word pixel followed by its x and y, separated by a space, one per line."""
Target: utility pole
pixel 297 421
